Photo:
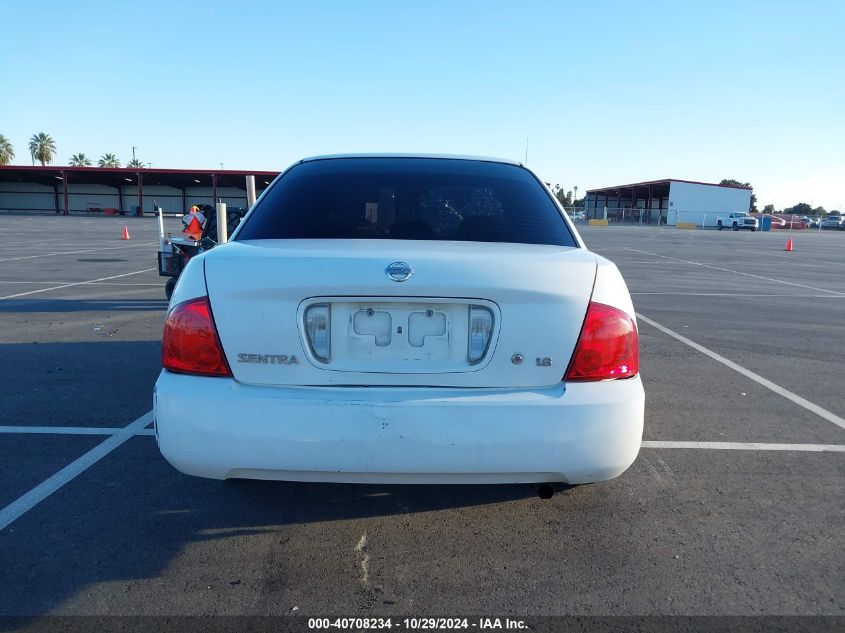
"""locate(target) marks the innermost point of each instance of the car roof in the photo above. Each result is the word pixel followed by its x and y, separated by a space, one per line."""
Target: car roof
pixel 486 159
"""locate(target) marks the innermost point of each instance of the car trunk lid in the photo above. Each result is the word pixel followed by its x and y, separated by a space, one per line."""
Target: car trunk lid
pixel 384 332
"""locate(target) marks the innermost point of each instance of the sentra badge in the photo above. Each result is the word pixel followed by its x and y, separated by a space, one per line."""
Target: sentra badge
pixel 268 359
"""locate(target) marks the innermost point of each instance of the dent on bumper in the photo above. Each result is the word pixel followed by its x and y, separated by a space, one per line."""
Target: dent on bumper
pixel 575 433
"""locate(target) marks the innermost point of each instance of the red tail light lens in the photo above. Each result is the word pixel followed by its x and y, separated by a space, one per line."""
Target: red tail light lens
pixel 608 347
pixel 190 344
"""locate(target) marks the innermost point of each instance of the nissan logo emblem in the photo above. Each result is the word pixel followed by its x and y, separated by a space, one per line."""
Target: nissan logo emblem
pixel 399 271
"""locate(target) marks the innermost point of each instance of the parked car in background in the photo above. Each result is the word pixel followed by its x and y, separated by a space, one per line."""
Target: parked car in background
pixel 775 221
pixel 812 223
pixel 792 222
pixel 834 222
pixel 736 221
pixel 778 222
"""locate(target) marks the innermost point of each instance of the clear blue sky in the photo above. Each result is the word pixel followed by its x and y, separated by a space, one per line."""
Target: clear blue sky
pixel 606 92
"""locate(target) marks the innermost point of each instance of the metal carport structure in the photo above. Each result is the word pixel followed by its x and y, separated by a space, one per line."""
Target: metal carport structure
pixel 666 201
pixel 627 202
pixel 124 191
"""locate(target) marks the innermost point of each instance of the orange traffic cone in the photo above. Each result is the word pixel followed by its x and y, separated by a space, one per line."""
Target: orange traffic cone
pixel 789 245
pixel 194 229
pixel 125 233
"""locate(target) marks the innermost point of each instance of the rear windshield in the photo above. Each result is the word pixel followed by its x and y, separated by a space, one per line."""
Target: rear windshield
pixel 408 199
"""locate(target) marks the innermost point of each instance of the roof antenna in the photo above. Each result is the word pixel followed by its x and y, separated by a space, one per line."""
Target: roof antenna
pixel 526 150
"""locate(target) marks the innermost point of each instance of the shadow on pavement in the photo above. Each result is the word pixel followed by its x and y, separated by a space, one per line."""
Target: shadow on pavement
pixel 131 515
pixel 85 305
pixel 98 383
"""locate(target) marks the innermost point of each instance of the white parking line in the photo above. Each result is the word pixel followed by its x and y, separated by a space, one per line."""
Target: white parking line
pixel 768 384
pixel 738 295
pixel 89 250
pixel 93 283
pixel 74 430
pixel 748 446
pixel 736 272
pixel 818 262
pixel 30 242
pixel 76 283
pixel 117 283
pixel 29 500
pixel 736 446
pixel 118 436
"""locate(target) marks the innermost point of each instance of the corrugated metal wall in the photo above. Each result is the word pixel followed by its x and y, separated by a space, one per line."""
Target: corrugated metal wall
pixel 25 196
pixel 232 196
pixel 168 198
pixel 82 197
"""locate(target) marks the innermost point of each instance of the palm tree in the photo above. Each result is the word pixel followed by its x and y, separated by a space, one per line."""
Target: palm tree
pixel 80 160
pixel 108 160
pixel 135 163
pixel 7 152
pixel 42 147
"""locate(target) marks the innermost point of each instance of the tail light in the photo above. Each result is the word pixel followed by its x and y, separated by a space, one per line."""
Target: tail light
pixel 480 329
pixel 608 347
pixel 317 330
pixel 190 344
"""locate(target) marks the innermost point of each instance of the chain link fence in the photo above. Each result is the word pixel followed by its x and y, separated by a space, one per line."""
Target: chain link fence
pixel 671 218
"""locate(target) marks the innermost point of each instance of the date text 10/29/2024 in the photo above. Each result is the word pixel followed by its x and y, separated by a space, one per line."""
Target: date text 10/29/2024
pixel 417 624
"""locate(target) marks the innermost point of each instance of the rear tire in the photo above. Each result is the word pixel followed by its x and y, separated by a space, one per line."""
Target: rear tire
pixel 169 286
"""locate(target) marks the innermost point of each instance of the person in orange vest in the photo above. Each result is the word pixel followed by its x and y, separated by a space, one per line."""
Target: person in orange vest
pixel 194 222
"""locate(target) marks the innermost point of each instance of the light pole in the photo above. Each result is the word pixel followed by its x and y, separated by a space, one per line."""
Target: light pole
pixel 133 153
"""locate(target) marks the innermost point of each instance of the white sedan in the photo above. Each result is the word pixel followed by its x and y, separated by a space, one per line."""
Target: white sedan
pixel 401 319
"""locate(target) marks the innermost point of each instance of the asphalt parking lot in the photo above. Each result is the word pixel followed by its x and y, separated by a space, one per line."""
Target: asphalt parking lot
pixel 734 507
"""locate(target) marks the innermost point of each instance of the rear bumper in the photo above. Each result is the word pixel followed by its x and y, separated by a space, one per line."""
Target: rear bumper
pixel 574 433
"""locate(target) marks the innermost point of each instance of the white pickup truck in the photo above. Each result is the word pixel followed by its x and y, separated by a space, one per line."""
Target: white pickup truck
pixel 737 221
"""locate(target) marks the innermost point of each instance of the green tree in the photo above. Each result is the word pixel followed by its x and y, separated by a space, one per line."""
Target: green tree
pixel 7 152
pixel 108 160
pixel 80 160
pixel 819 211
pixel 135 163
pixel 769 209
pixel 802 208
pixel 752 207
pixel 564 197
pixel 42 147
